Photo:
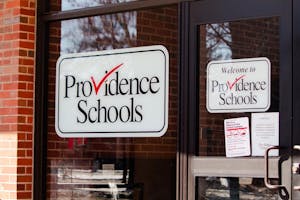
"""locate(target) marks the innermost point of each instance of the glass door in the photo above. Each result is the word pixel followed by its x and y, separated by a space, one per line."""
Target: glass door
pixel 239 99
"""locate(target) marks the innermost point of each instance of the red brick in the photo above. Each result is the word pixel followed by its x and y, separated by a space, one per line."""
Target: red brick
pixel 24 61
pixel 22 102
pixel 32 5
pixel 21 119
pixel 25 144
pixel 24 19
pixel 21 136
pixel 23 70
pixel 17 56
pixel 27 45
pixel 23 52
pixel 29 137
pixel 26 162
pixel 11 36
pixel 24 3
pixel 31 36
pixel 27 28
pixel 4 127
pixel 28 111
pixel 30 86
pixel 21 153
pixel 29 12
pixel 29 186
pixel 28 78
pixel 21 187
pixel 12 4
pixel 10 86
pixel 30 70
pixel 25 94
pixel 8 94
pixel 5 78
pixel 29 120
pixel 8 111
pixel 10 103
pixel 24 35
pixel 5 45
pixel 16 27
pixel 29 103
pixel 24 195
pixel 9 119
pixel 23 127
pixel 13 127
pixel 8 53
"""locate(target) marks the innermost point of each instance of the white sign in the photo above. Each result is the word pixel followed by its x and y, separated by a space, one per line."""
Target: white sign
pixel 240 85
pixel 113 93
pixel 264 133
pixel 237 137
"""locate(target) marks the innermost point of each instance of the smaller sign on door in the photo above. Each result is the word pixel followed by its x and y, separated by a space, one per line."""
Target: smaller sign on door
pixel 237 137
pixel 265 132
pixel 238 85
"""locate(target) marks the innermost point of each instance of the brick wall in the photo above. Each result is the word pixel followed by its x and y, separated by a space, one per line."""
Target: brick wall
pixel 16 97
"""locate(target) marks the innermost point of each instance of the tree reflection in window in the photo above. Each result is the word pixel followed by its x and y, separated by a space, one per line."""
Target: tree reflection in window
pixel 76 4
pixel 99 33
pixel 218 41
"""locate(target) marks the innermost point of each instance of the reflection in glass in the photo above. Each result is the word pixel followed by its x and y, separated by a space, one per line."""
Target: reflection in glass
pixel 218 41
pixel 233 40
pixel 113 168
pixel 76 4
pixel 229 188
pixel 99 33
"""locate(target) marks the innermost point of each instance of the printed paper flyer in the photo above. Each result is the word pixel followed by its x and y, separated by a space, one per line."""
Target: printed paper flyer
pixel 265 133
pixel 237 137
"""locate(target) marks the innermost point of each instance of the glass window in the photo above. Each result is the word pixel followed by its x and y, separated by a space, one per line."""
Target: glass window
pixel 99 33
pixel 64 5
pixel 233 40
pixel 114 168
pixel 225 188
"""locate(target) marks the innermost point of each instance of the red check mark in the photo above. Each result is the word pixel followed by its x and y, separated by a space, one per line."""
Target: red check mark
pixel 234 82
pixel 97 87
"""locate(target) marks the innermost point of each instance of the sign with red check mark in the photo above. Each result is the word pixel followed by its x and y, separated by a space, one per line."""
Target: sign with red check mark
pixel 238 85
pixel 113 93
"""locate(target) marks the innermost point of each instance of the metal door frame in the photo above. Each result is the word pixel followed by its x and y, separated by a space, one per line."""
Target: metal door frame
pixel 209 11
pixel 296 88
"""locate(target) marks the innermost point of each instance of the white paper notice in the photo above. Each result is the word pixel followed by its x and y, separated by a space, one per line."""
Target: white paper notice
pixel 265 133
pixel 237 137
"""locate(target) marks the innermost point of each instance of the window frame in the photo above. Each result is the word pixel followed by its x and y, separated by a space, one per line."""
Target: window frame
pixel 43 19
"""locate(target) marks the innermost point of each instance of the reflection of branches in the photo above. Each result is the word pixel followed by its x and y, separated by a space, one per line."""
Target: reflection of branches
pixel 100 32
pixel 221 33
pixel 218 41
pixel 75 4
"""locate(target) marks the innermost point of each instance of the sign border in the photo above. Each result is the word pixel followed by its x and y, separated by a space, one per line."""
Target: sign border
pixel 111 134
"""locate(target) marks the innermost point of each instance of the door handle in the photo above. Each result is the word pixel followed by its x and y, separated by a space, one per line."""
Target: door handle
pixel 266 178
pixel 282 191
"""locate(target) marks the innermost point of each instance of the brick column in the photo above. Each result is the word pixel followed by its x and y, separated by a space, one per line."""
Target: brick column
pixel 17 25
